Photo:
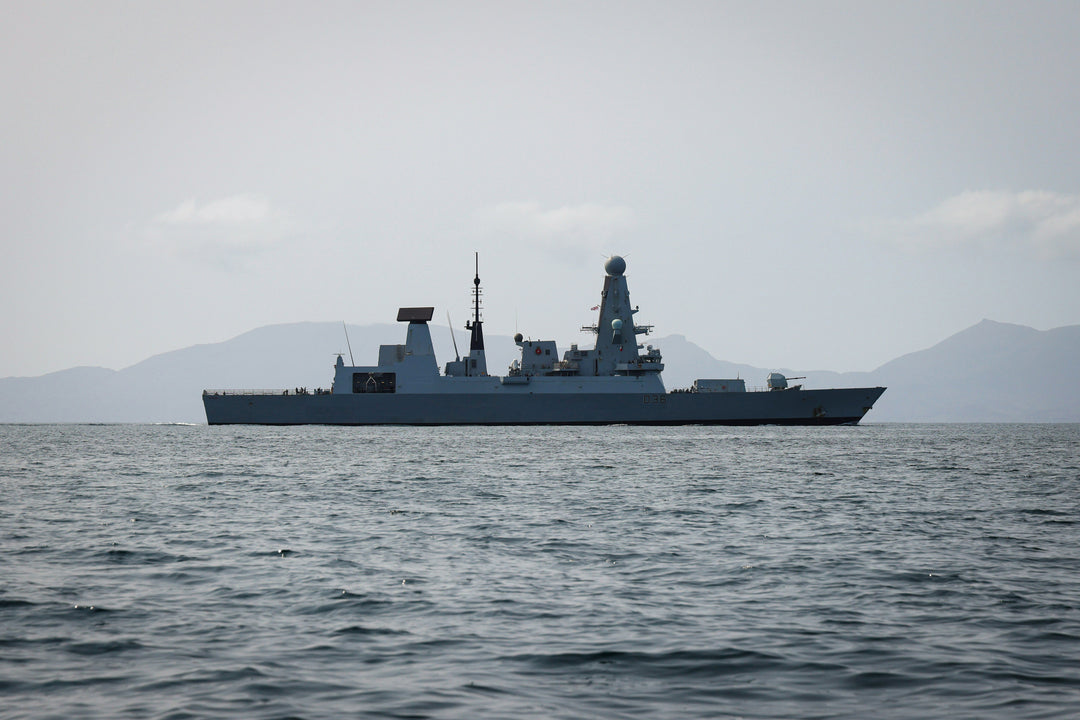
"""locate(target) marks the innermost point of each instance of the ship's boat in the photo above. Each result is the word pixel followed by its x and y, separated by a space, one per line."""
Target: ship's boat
pixel 618 380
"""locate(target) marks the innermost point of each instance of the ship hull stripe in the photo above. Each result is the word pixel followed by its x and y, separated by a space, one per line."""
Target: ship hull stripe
pixel 786 407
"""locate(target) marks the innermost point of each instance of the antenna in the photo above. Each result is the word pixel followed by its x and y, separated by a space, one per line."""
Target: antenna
pixel 476 341
pixel 457 355
pixel 476 288
pixel 351 361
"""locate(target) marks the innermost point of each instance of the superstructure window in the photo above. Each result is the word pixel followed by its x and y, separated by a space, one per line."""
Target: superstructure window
pixel 374 382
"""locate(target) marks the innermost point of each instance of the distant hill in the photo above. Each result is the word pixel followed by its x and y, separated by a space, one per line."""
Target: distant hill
pixel 991 372
pixel 168 387
pixel 685 362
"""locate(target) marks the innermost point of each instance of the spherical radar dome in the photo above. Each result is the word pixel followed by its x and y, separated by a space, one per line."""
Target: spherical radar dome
pixel 615 265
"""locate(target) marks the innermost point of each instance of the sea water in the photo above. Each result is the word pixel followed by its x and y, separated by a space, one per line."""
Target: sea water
pixel 886 571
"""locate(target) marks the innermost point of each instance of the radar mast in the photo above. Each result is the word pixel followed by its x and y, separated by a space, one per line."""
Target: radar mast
pixel 477 364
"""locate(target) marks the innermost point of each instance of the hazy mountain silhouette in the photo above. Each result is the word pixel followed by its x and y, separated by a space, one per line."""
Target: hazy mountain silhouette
pixel 990 372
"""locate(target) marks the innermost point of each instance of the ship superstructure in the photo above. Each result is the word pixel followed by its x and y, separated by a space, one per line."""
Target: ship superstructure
pixel 618 380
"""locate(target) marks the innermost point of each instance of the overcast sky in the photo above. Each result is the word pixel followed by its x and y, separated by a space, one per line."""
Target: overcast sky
pixel 813 185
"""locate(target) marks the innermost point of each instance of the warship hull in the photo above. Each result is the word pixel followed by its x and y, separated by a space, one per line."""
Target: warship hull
pixel 843 406
pixel 617 381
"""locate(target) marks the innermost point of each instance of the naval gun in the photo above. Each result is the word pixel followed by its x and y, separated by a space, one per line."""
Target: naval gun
pixel 779 381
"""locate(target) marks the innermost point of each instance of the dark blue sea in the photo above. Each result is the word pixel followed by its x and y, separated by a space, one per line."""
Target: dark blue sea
pixel 881 571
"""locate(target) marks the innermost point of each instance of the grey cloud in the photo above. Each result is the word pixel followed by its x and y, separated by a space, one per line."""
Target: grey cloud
pixel 1047 223
pixel 228 227
pixel 586 228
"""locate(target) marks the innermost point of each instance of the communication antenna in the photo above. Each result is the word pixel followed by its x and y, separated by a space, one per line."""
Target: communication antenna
pixel 476 342
pixel 457 355
pixel 476 287
pixel 343 327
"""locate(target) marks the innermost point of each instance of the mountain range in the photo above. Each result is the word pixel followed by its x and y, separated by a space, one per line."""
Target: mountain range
pixel 990 372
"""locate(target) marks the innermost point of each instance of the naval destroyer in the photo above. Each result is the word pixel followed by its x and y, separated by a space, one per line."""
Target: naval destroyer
pixel 616 381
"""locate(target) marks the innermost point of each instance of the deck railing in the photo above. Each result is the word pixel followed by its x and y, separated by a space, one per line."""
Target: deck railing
pixel 281 391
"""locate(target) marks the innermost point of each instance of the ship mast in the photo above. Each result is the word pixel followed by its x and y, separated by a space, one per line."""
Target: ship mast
pixel 477 364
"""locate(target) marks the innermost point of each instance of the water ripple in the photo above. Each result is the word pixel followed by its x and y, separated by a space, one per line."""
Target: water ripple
pixel 187 572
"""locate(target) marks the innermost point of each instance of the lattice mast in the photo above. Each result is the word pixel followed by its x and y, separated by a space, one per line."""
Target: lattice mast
pixel 477 364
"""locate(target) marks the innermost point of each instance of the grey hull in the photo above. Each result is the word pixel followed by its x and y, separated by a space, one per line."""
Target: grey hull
pixel 785 407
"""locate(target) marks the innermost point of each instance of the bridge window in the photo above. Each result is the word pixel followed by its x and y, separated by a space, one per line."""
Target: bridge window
pixel 374 382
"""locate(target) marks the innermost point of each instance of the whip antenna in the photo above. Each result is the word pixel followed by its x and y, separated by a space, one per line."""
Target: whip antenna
pixel 457 355
pixel 351 361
